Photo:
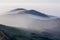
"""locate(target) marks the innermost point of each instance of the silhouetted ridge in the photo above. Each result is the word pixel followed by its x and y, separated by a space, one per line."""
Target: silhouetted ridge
pixel 34 12
pixel 18 9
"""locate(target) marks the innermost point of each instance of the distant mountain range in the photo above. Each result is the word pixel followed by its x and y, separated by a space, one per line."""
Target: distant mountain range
pixel 31 20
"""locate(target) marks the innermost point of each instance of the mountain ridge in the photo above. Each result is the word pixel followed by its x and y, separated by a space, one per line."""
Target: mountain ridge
pixel 25 11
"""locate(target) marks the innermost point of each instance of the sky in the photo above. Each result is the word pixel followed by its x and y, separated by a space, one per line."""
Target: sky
pixel 50 7
pixel 29 1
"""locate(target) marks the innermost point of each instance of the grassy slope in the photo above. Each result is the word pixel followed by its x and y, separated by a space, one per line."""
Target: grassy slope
pixel 20 34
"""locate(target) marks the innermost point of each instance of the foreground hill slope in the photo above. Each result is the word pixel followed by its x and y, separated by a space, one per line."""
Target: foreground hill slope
pixel 21 34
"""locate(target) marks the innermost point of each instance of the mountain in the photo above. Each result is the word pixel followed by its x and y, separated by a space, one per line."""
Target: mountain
pixel 20 34
pixel 17 9
pixel 34 12
pixel 32 20
pixel 25 11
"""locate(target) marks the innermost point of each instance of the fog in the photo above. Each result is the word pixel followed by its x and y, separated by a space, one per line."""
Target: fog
pixel 50 9
pixel 29 21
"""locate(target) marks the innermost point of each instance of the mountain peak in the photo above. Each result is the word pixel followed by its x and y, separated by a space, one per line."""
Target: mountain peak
pixel 34 12
pixel 18 9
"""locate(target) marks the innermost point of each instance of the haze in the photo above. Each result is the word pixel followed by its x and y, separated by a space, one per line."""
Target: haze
pixel 50 7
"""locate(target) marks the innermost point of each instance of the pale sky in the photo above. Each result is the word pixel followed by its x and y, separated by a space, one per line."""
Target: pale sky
pixel 51 7
pixel 29 1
